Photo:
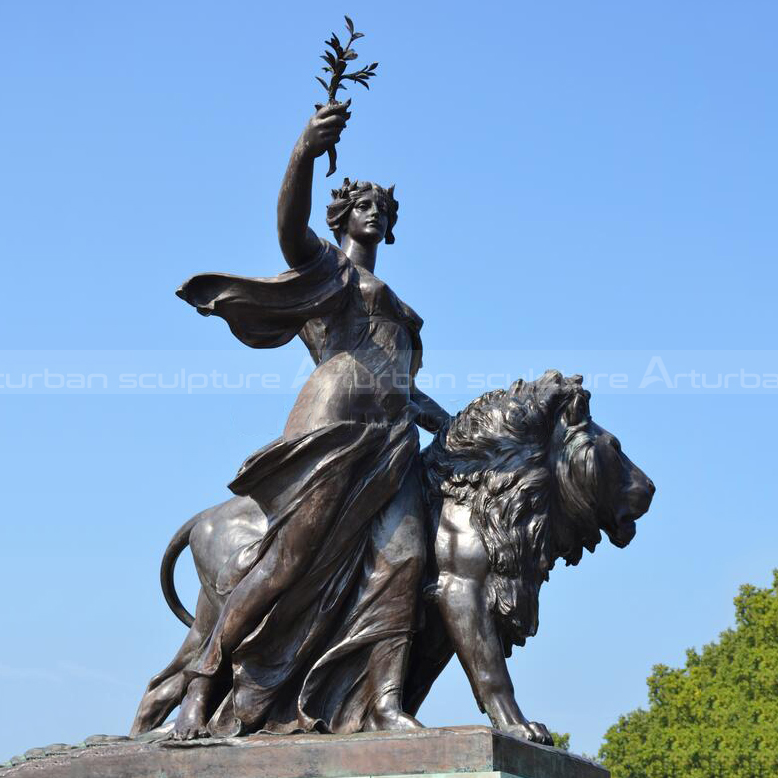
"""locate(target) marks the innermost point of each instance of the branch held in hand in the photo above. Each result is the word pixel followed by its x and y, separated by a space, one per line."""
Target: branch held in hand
pixel 336 62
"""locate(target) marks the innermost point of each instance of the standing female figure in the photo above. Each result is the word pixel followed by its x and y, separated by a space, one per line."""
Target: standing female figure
pixel 316 618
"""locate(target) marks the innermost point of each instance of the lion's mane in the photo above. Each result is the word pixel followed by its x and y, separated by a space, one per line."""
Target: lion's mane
pixel 532 494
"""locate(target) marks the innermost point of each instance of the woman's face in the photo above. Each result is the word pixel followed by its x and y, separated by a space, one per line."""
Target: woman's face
pixel 368 219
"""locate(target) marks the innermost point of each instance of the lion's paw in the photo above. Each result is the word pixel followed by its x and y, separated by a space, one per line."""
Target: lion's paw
pixel 533 731
pixel 542 735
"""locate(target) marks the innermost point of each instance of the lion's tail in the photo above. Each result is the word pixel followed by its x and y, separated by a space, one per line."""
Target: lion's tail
pixel 177 544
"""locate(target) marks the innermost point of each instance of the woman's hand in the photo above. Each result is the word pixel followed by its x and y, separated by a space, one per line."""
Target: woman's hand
pixel 432 421
pixel 431 416
pixel 324 128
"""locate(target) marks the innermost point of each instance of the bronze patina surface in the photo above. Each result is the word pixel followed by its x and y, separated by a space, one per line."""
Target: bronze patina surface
pixel 350 566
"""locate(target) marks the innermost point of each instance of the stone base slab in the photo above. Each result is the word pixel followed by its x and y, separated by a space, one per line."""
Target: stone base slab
pixel 450 752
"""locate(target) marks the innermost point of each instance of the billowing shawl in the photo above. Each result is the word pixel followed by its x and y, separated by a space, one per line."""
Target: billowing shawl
pixel 269 312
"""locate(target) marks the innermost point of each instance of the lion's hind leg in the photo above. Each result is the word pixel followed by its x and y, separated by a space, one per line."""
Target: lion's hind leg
pixel 167 688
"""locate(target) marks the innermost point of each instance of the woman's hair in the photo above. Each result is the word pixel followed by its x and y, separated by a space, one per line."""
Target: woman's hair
pixel 343 200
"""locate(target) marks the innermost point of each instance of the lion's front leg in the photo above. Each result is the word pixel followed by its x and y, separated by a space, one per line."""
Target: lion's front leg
pixel 464 568
pixel 472 631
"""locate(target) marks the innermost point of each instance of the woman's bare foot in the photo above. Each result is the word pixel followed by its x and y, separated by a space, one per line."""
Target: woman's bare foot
pixel 388 714
pixel 191 721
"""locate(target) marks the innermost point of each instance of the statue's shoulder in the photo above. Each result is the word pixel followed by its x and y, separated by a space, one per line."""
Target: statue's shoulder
pixel 331 254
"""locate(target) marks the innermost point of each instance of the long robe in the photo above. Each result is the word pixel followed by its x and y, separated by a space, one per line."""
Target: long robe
pixel 322 653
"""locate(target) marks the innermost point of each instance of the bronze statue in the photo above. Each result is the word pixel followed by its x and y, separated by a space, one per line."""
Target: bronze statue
pixel 518 479
pixel 348 569
pixel 311 625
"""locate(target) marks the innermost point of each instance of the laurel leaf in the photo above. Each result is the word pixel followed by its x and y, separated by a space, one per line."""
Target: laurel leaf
pixel 349 24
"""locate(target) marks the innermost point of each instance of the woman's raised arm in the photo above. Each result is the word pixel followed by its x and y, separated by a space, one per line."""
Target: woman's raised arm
pixel 297 240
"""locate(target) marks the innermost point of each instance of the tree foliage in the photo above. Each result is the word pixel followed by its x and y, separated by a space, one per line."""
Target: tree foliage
pixel 718 716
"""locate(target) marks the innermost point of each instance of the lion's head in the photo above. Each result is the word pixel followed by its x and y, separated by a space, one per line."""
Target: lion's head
pixel 542 481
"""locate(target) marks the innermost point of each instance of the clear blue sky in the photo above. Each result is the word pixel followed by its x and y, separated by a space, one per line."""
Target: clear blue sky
pixel 582 185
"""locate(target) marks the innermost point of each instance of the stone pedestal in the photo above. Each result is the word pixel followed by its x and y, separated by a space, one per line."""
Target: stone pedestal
pixel 453 752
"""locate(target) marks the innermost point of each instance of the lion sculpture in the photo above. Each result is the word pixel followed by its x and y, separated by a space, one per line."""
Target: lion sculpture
pixel 518 479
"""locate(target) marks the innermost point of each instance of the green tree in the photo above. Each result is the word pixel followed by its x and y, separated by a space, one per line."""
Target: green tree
pixel 718 716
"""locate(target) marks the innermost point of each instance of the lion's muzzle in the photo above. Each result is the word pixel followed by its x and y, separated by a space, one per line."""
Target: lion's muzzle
pixel 636 502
